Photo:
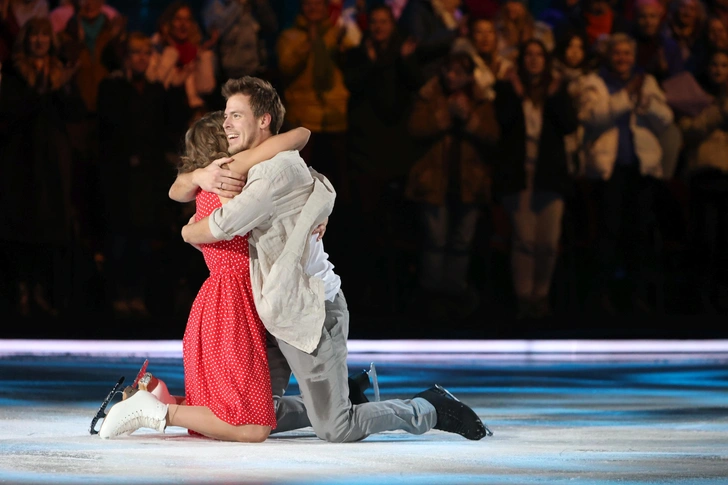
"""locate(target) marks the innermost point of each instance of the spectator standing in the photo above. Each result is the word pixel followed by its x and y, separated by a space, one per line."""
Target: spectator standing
pixel 481 44
pixel 532 180
pixel 36 162
pixel 623 111
pixel 310 56
pixel 13 15
pixel 707 170
pixel 241 26
pixel 433 25
pixel 516 25
pixel 139 217
pixel 381 75
pixel 452 122
pixel 181 56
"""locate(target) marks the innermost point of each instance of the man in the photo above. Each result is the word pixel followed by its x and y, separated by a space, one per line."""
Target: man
pixel 306 315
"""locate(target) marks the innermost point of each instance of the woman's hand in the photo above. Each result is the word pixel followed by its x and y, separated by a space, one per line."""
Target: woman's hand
pixel 218 179
pixel 320 229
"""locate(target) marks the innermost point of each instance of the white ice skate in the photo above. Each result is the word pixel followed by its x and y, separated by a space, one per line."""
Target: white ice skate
pixel 142 410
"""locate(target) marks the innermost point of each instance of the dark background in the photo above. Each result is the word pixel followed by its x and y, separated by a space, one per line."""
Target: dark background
pixel 381 297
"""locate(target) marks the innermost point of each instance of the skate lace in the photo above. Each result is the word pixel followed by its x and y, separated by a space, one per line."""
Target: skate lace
pixel 135 420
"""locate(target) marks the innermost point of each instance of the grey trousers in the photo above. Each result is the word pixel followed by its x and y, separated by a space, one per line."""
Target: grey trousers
pixel 322 377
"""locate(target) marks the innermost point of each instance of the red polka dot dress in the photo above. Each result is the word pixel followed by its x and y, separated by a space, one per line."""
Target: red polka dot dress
pixel 224 346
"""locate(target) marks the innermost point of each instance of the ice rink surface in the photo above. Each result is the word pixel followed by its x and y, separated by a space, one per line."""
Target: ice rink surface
pixel 561 412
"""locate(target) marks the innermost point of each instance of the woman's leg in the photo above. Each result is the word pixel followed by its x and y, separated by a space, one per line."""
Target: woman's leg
pixel 523 225
pixel 202 420
pixel 548 236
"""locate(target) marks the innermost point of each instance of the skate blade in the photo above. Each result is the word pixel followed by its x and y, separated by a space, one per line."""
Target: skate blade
pixel 375 382
pixel 101 413
pixel 141 373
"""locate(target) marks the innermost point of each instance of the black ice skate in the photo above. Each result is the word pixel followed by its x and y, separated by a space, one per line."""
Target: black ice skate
pixel 360 382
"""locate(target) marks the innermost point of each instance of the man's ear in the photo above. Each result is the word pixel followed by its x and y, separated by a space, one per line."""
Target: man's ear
pixel 264 121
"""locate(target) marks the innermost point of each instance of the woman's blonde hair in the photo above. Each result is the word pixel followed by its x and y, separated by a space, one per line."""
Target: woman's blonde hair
pixel 205 141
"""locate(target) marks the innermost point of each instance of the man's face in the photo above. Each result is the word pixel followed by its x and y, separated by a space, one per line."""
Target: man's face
pixel 381 25
pixel 90 9
pixel 139 55
pixel 649 18
pixel 314 10
pixel 484 37
pixel 242 130
pixel 622 59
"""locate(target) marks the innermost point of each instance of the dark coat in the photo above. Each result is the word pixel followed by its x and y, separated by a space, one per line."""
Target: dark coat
pixel 381 95
pixel 36 162
pixel 134 137
pixel 559 119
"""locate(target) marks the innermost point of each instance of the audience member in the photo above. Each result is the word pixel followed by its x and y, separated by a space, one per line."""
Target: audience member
pixel 134 173
pixel 62 13
pixel 481 44
pixel 309 61
pixel 36 162
pixel 433 25
pixel 571 64
pixel 516 25
pixel 241 26
pixel 707 144
pixel 535 113
pixel 180 55
pixel 624 112
pixel 381 75
pixel 451 121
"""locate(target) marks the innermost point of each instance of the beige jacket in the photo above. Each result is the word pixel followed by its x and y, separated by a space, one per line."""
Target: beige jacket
pixel 598 111
pixel 706 137
pixel 283 200
pixel 323 112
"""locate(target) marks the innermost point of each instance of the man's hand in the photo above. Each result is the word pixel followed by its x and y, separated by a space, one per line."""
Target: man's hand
pixel 192 221
pixel 220 180
pixel 320 229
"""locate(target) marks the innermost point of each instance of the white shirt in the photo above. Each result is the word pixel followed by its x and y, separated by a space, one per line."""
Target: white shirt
pixel 319 266
pixel 281 204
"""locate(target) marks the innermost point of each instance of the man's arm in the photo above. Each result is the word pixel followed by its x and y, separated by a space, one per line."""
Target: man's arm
pixel 243 213
pixel 213 178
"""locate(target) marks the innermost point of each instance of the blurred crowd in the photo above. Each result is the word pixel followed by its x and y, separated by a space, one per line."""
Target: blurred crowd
pixel 584 138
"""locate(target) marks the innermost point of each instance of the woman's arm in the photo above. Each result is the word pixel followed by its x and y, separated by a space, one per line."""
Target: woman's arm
pixel 294 139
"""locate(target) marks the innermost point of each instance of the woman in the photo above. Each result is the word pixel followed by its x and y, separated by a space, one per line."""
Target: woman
pixel 36 161
pixel 227 382
pixel 706 137
pixel 571 63
pixel 181 57
pixel 482 45
pixel 535 114
pixel 624 111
